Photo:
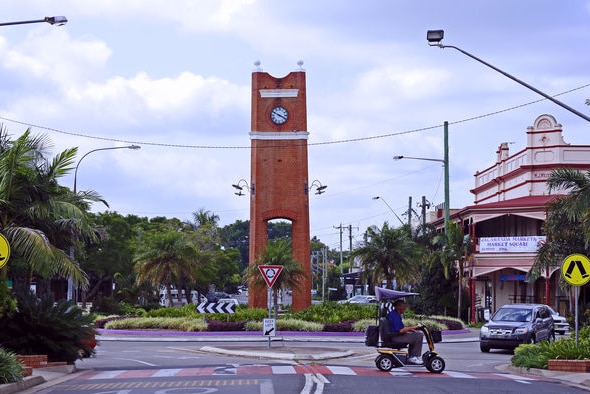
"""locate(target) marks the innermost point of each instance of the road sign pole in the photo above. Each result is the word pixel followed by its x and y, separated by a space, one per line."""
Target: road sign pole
pixel 577 296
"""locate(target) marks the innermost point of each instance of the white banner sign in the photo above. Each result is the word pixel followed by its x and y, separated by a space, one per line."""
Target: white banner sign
pixel 511 244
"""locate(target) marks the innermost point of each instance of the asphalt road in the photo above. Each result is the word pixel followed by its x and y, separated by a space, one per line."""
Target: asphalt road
pixel 125 367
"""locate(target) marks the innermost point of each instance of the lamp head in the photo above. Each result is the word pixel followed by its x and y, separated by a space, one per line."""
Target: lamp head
pixel 321 189
pixel 56 20
pixel 397 157
pixel 134 147
pixel 376 198
pixel 434 37
pixel 238 187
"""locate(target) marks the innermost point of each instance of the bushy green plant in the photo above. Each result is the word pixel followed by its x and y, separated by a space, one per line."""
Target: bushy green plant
pixel 188 310
pixel 530 356
pixel 287 325
pixel 11 369
pixel 537 355
pixel 332 312
pixel 361 325
pixel 58 329
pixel 452 323
pixel 160 323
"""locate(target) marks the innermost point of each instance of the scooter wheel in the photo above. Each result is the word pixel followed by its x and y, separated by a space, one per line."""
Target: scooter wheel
pixel 384 362
pixel 435 364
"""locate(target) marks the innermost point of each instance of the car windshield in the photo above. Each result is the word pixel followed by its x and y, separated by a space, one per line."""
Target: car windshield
pixel 513 314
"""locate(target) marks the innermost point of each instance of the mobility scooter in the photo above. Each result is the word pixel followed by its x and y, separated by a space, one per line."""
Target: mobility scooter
pixel 392 355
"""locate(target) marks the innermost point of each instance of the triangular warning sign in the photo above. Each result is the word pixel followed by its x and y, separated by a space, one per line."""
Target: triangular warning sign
pixel 270 273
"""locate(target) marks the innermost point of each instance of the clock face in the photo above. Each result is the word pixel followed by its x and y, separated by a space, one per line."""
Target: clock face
pixel 279 115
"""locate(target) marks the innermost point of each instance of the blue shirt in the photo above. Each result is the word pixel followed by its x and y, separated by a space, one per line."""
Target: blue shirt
pixel 395 321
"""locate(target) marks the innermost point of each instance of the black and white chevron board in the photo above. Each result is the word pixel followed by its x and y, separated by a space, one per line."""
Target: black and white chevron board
pixel 216 307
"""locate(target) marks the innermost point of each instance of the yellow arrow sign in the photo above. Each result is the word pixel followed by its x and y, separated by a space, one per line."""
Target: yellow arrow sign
pixel 575 269
pixel 4 251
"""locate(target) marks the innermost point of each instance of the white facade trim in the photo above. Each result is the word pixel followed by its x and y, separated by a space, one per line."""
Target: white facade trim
pixel 283 135
pixel 278 93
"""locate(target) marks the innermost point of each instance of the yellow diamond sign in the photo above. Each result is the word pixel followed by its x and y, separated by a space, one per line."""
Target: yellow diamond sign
pixel 575 269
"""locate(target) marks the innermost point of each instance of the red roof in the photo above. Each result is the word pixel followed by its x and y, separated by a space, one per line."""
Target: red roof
pixel 521 202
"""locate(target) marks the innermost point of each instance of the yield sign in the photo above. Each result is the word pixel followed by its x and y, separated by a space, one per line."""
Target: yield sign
pixel 270 273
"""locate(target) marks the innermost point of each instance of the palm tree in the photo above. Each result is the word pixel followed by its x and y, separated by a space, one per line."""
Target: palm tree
pixel 390 253
pixel 454 249
pixel 278 252
pixel 576 204
pixel 40 218
pixel 203 218
pixel 568 220
pixel 167 259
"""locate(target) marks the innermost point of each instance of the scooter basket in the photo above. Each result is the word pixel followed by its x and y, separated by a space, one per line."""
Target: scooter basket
pixel 436 336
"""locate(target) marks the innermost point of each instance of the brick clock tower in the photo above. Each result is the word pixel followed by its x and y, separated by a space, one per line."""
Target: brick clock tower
pixel 278 185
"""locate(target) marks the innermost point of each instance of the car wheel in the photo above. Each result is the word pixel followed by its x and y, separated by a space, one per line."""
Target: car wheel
pixel 531 340
pixel 561 332
pixel 484 348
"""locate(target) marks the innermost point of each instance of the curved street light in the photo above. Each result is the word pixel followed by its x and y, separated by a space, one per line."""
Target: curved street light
pixel 391 209
pixel 434 38
pixel 318 187
pixel 52 20
pixel 134 147
pixel 445 162
pixel 242 183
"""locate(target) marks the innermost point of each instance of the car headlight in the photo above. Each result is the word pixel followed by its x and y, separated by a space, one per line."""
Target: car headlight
pixel 484 330
pixel 522 330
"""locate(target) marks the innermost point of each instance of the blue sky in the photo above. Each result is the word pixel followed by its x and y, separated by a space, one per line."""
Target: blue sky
pixel 175 78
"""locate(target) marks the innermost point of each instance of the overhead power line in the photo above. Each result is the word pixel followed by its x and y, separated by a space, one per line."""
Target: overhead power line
pixel 367 138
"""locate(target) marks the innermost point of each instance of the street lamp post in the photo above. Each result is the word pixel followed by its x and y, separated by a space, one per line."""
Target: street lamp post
pixel 435 37
pixel 52 20
pixel 445 162
pixel 392 211
pixel 134 147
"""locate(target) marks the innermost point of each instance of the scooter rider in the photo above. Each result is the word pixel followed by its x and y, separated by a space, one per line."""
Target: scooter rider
pixel 402 335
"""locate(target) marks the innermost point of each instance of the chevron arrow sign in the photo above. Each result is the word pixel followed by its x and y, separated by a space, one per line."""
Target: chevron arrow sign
pixel 216 307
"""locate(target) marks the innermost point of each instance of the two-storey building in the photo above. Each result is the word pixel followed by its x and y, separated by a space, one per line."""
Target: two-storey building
pixel 506 221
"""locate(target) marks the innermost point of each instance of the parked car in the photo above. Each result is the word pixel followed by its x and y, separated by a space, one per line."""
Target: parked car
pixel 514 324
pixel 561 324
pixel 359 299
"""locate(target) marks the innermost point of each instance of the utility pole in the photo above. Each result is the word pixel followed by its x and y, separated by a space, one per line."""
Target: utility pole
pixel 341 262
pixel 410 212
pixel 425 205
pixel 350 240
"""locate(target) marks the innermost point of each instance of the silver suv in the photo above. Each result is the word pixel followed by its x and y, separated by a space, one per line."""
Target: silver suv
pixel 514 324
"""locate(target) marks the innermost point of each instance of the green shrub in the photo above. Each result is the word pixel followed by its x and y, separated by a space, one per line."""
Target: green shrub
pixel 537 355
pixel 57 329
pixel 11 369
pixel 332 312
pixel 530 356
pixel 361 325
pixel 158 323
pixel 287 325
pixel 188 310
pixel 452 323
